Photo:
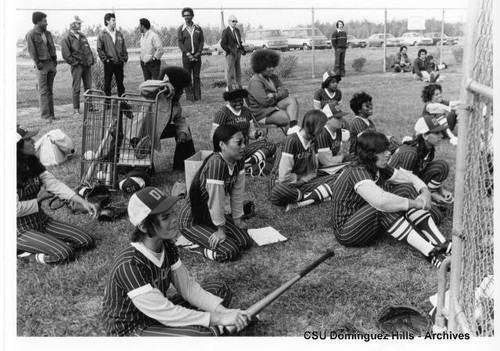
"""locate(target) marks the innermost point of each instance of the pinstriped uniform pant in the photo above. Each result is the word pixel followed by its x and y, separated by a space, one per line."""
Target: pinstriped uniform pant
pixel 367 224
pixel 236 241
pixel 218 289
pixel 284 194
pixel 58 242
pixel 267 148
pixel 436 170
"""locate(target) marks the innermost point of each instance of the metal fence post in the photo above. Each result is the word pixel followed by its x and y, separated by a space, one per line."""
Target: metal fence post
pixel 441 42
pixel 222 24
pixel 312 40
pixel 385 41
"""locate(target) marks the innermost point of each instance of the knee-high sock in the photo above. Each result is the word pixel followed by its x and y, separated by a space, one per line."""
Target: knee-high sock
pixel 257 157
pixel 402 230
pixel 321 193
pixel 423 221
pixel 434 185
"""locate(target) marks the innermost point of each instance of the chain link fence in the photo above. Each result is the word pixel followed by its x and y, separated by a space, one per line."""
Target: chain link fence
pixel 472 276
pixel 306 64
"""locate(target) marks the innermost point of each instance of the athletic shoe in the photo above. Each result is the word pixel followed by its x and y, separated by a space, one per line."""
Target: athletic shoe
pixel 24 254
pixel 40 258
pixel 293 130
pixel 444 248
pixel 436 258
pixel 454 141
pixel 143 148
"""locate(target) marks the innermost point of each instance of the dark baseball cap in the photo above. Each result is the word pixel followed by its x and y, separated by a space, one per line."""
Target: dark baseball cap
pixel 429 124
pixel 25 134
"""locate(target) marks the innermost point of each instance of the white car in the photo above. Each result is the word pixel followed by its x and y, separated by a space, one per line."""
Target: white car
pixel 300 38
pixel 217 49
pixel 267 39
pixel 414 39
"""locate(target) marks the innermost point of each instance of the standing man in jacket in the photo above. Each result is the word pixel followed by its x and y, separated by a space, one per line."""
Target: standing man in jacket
pixel 113 53
pixel 231 44
pixel 77 53
pixel 151 50
pixel 190 40
pixel 339 43
pixel 43 53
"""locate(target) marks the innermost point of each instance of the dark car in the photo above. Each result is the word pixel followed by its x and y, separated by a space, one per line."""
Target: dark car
pixel 353 42
pixel 436 38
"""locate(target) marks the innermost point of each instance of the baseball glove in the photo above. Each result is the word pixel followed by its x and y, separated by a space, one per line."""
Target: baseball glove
pixel 400 319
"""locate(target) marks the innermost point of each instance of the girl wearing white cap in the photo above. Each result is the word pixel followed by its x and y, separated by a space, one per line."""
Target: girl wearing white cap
pixel 52 241
pixel 329 91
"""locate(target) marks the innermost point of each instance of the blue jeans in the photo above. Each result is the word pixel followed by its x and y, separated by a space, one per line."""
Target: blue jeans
pixel 45 77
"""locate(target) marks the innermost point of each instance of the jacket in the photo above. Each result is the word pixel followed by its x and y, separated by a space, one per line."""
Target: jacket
pixel 76 51
pixel 339 39
pixel 38 50
pixel 194 46
pixel 228 42
pixel 107 50
pixel 258 88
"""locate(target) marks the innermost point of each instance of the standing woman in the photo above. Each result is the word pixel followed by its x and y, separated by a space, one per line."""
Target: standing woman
pixel 339 44
pixel 269 100
pixel 417 156
pixel 52 241
pixel 367 204
pixel 236 114
pixel 202 219
pixel 298 183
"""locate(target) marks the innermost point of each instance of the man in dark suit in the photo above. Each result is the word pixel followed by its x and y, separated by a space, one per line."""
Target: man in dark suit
pixel 232 45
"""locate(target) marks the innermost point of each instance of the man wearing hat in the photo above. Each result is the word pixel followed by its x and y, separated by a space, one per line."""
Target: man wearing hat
pixel 77 53
pixel 329 91
pixel 151 50
pixel 42 51
pixel 335 132
pixel 135 297
pixel 230 42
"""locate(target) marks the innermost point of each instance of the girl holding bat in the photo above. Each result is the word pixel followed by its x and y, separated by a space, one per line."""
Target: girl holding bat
pixel 202 219
pixel 370 198
pixel 52 241
pixel 135 297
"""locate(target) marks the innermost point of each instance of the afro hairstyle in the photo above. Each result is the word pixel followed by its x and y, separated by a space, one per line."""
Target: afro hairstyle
pixel 236 94
pixel 358 100
pixel 263 58
pixel 428 92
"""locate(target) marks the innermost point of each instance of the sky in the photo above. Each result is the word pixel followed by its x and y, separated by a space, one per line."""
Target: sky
pixel 208 12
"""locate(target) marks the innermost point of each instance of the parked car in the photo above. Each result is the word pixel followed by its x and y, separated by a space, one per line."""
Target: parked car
pixel 414 39
pixel 353 42
pixel 436 38
pixel 267 38
pixel 217 49
pixel 300 38
pixel 378 40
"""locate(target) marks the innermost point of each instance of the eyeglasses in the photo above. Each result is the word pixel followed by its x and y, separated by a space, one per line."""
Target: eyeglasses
pixel 234 21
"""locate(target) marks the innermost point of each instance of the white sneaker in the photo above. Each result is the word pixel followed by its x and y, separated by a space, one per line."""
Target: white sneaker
pixel 454 141
pixel 24 254
pixel 40 258
pixel 293 130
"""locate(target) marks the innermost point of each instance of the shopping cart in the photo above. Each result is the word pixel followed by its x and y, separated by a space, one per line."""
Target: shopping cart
pixel 118 132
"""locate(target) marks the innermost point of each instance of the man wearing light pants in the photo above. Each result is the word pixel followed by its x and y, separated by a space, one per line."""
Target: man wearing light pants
pixel 77 53
pixel 231 43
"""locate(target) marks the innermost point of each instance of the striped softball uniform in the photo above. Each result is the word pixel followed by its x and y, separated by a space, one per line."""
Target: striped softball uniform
pixel 132 270
pixel 241 121
pixel 298 159
pixel 406 157
pixel 358 125
pixel 328 145
pixel 323 97
pixel 218 180
pixel 346 201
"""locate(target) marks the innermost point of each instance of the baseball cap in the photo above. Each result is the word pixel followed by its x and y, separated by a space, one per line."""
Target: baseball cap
pixel 148 201
pixel 333 110
pixel 134 181
pixel 25 134
pixel 429 124
pixel 329 74
pixel 76 19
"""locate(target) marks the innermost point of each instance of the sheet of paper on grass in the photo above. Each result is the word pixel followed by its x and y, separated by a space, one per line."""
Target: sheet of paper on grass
pixel 333 169
pixel 266 236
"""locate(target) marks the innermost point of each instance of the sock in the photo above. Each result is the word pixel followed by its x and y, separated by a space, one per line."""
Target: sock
pixel 402 230
pixel 300 195
pixel 319 194
pixel 434 185
pixel 211 255
pixel 423 220
pixel 293 124
pixel 257 157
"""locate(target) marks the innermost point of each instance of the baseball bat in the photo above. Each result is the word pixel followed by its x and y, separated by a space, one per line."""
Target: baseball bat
pixel 98 153
pixel 268 299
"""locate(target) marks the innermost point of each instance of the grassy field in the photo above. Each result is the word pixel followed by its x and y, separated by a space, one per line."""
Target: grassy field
pixel 354 286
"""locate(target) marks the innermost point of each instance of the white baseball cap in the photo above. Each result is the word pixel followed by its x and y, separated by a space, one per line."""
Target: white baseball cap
pixel 148 201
